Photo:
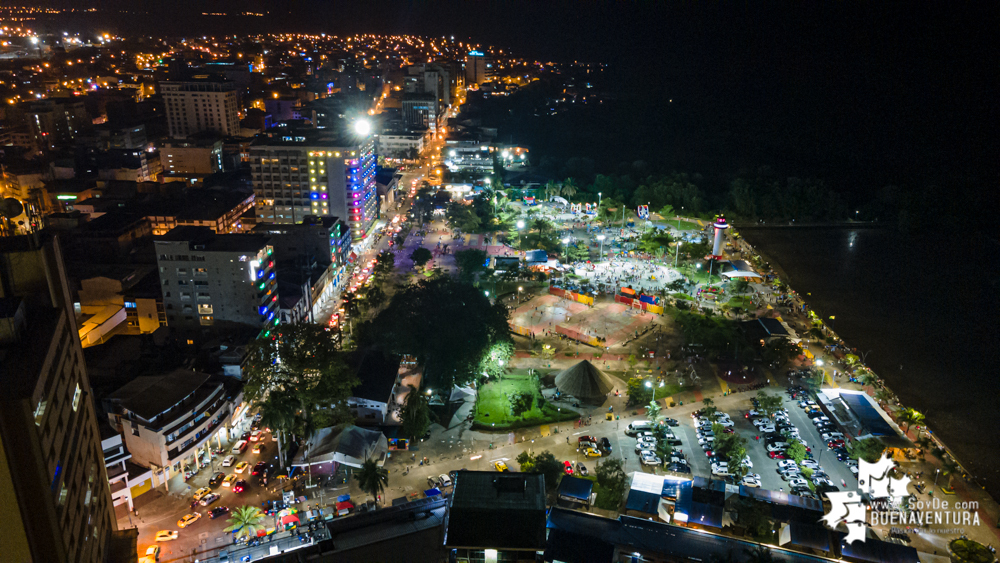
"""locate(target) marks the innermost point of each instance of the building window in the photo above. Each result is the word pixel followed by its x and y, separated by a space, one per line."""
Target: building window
pixel 76 397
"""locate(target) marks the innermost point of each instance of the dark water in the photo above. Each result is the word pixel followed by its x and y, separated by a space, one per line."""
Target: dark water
pixel 926 307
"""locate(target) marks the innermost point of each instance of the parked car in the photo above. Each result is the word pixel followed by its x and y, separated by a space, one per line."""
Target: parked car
pixel 590 439
pixel 444 480
pixel 777 455
pixel 798 482
pixel 679 468
pixel 581 468
pixel 810 464
pixel 751 480
pixel 606 444
pixel 649 458
pixel 500 466
pixel 592 452
pixel 568 467
pixel 670 422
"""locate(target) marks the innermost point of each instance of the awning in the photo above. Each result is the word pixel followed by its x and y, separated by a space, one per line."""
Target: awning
pixel 741 274
pixel 344 507
pixel 432 492
pixel 289 519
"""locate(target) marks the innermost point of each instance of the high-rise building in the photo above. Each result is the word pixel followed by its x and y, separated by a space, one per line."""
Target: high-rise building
pixel 201 105
pixel 300 175
pixel 54 122
pixel 476 68
pixel 208 278
pixel 421 110
pixel 53 484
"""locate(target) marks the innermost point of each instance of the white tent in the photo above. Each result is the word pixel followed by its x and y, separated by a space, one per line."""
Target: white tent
pixel 741 274
pixel 560 200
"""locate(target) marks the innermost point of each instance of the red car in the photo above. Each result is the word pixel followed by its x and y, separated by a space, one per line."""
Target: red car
pixel 568 467
pixel 709 453
pixel 590 439
pixel 777 455
pixel 239 486
pixel 834 444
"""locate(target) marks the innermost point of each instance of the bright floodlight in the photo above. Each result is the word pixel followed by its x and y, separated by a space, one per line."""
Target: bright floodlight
pixel 362 127
pixel 520 224
pixel 649 384
pixel 565 240
pixel 600 237
pixel 34 40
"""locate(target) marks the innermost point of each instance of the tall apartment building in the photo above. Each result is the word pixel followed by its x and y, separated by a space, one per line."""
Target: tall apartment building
pixel 53 484
pixel 192 156
pixel 477 68
pixel 54 122
pixel 421 110
pixel 296 176
pixel 208 278
pixel 201 105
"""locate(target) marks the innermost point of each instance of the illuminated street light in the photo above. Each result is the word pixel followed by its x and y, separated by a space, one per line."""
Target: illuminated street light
pixel 677 251
pixel 601 254
pixel 362 127
pixel 649 384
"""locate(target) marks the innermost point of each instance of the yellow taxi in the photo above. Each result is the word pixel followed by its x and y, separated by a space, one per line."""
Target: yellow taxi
pixel 241 467
pixel 228 481
pixel 592 452
pixel 188 519
pixel 501 466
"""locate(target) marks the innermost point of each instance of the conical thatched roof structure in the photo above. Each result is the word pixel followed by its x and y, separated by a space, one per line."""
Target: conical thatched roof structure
pixel 584 381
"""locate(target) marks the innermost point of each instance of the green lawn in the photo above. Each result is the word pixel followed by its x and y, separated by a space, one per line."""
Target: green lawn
pixel 744 302
pixel 684 225
pixel 493 407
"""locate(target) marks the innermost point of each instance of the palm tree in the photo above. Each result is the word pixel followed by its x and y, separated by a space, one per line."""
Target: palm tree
pixel 911 416
pixel 372 479
pixel 882 396
pixel 279 413
pixel 245 521
pixel 552 189
pixel 868 379
pixel 569 188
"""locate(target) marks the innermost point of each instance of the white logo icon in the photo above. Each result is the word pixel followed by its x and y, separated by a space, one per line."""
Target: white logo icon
pixel 847 507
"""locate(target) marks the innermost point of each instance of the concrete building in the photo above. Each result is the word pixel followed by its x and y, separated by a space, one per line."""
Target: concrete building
pixel 477 68
pixel 207 278
pixel 171 421
pixel 295 176
pixel 421 110
pixel 192 156
pixel 400 145
pixel 56 121
pixel 201 105
pixel 216 208
pixel 125 479
pixel 52 480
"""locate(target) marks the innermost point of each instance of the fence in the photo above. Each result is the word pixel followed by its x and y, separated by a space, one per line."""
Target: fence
pixel 578 297
pixel 523 331
pixel 637 304
pixel 579 336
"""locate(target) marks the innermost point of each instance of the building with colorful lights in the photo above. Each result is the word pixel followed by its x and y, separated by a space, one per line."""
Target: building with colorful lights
pixel 208 279
pixel 315 173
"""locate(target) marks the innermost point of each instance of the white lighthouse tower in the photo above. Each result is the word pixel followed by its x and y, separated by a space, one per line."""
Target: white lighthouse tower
pixel 720 225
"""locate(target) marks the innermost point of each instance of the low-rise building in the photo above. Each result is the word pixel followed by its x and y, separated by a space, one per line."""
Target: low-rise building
pixel 171 421
pixel 202 155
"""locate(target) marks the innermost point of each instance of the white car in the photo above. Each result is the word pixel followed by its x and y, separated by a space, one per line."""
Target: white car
pixel 649 458
pixel 751 480
pixel 727 423
pixel 820 420
pixel 747 463
pixel 230 459
pixel 444 480
pixel 810 464
pixel 787 474
pixel 766 429
pixel 821 481
pixel 706 440
pixel 720 469
pixel 787 464
pixel 832 436
pixel 854 470
pixel 807 403
pixel 798 483
pixel 758 422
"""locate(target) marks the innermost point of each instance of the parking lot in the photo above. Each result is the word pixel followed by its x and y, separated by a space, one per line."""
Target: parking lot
pixel 763 465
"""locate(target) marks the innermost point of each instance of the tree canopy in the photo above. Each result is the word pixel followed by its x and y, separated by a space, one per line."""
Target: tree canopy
pixel 300 362
pixel 447 325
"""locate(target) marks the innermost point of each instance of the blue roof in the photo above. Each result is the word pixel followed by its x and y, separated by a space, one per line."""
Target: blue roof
pixel 575 487
pixel 432 492
pixel 536 256
pixel 808 535
pixel 704 514
pixel 642 501
pixel 867 415
pixel 879 552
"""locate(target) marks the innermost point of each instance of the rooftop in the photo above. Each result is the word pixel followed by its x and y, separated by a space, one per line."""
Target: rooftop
pixel 150 396
pixel 213 242
pixel 483 498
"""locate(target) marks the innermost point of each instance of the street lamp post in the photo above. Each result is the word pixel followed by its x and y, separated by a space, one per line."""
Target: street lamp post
pixel 565 242
pixel 600 255
pixel 677 251
pixel 520 226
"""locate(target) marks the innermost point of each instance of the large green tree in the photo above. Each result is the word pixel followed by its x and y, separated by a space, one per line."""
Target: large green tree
pixel 300 361
pixel 550 467
pixel 610 474
pixel 868 449
pixel 416 415
pixel 447 325
pixel 421 256
pixel 470 262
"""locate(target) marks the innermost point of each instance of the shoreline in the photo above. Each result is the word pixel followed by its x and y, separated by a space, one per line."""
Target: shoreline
pixel 775 265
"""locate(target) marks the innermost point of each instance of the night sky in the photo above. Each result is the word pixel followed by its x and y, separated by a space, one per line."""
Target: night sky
pixel 873 93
